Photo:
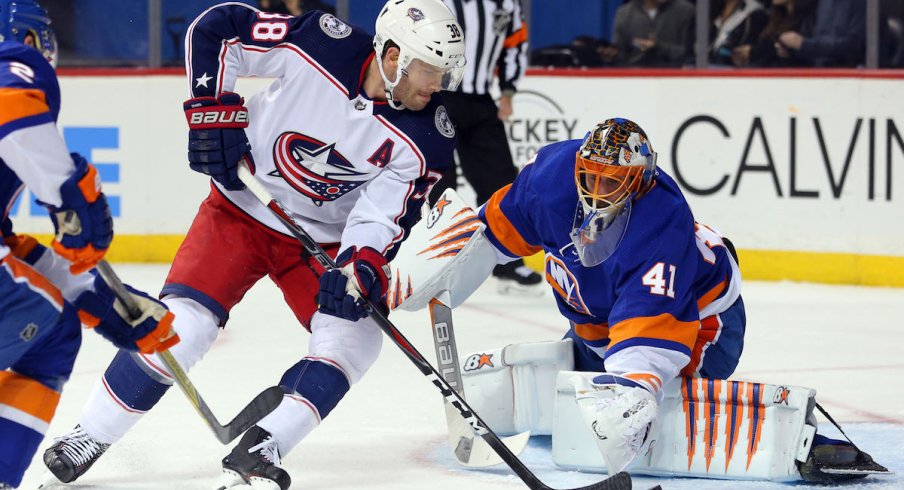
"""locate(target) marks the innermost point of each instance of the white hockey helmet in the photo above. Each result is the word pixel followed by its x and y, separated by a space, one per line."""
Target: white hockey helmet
pixel 423 30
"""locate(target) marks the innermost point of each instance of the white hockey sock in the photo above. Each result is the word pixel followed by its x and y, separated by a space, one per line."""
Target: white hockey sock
pixel 291 422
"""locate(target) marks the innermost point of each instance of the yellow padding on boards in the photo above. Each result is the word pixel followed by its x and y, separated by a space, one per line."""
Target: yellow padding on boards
pixel 137 248
pixel 759 265
pixel 821 267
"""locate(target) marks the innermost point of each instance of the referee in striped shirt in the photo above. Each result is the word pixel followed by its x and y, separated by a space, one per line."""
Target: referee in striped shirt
pixel 496 48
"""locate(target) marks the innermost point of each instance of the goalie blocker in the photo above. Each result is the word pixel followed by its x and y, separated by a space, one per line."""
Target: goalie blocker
pixel 708 428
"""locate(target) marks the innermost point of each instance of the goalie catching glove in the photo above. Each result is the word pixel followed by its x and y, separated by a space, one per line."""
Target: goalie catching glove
pixel 619 413
pixel 216 137
pixel 151 332
pixel 359 272
pixel 83 224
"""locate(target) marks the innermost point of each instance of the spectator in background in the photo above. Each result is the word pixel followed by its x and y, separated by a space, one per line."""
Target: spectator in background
pixel 833 35
pixel 735 23
pixel 783 16
pixel 654 32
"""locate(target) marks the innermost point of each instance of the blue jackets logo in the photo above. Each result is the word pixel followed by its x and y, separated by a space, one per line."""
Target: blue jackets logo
pixel 315 168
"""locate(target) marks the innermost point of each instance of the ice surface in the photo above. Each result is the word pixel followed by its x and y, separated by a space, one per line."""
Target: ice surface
pixel 389 431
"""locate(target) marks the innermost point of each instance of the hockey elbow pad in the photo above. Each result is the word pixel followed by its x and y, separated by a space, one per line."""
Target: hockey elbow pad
pixel 83 224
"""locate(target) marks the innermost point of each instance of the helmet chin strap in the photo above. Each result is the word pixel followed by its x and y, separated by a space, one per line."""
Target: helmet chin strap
pixel 390 86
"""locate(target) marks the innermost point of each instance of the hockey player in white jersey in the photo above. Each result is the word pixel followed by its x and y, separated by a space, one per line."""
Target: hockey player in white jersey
pixel 350 137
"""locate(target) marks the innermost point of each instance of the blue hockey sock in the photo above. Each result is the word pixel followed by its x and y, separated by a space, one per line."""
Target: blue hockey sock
pixel 320 383
pixel 134 383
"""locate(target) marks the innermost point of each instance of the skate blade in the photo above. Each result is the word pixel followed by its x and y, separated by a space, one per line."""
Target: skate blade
pixel 231 480
pixel 49 480
pixel 257 483
pixel 856 471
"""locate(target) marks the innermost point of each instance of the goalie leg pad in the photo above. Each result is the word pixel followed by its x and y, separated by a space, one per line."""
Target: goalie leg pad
pixel 513 388
pixel 704 428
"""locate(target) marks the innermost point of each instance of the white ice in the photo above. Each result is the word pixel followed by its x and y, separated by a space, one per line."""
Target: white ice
pixel 389 431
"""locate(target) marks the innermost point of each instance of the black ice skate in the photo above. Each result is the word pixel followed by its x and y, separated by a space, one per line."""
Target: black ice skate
pixel 255 461
pixel 515 277
pixel 834 461
pixel 72 454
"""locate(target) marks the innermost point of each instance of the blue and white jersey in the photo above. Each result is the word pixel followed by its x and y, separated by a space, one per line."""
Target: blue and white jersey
pixel 32 151
pixel 642 307
pixel 349 169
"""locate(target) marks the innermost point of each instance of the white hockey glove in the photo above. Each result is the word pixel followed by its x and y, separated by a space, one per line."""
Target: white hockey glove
pixel 619 412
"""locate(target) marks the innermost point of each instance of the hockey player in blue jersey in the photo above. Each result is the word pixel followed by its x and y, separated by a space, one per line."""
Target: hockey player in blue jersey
pixel 350 137
pixel 650 294
pixel 648 290
pixel 46 293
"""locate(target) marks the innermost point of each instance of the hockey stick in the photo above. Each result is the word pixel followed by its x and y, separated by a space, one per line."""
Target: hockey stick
pixel 260 406
pixel 619 481
pixel 470 451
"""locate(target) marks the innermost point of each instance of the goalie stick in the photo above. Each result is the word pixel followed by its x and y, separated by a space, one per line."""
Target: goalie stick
pixel 619 481
pixel 260 406
pixel 468 450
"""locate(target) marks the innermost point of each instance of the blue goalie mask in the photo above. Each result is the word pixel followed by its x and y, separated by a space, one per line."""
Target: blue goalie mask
pixel 19 18
pixel 613 167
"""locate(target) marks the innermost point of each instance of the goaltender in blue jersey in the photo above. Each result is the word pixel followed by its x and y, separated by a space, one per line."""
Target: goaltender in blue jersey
pixel 650 293
pixel 645 286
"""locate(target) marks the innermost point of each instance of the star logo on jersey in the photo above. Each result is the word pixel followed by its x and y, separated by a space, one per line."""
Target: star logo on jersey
pixel 314 168
pixel 202 80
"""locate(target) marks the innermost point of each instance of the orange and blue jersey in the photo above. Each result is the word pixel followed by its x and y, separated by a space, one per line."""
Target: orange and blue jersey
pixel 39 331
pixel 641 309
pixel 31 148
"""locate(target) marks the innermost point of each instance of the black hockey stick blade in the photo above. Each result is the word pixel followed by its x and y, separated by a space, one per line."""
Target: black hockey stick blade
pixel 619 481
pixel 260 406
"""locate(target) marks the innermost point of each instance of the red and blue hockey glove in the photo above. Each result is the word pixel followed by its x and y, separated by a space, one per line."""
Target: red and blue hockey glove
pixel 84 227
pixel 149 333
pixel 360 272
pixel 216 137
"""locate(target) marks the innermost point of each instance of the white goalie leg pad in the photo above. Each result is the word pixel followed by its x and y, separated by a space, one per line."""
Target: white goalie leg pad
pixel 513 388
pixel 445 251
pixel 733 430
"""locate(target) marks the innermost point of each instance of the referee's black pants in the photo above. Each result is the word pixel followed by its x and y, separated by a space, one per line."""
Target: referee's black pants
pixel 482 147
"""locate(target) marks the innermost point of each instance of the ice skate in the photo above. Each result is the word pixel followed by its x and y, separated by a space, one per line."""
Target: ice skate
pixel 833 461
pixel 254 463
pixel 71 455
pixel 516 278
